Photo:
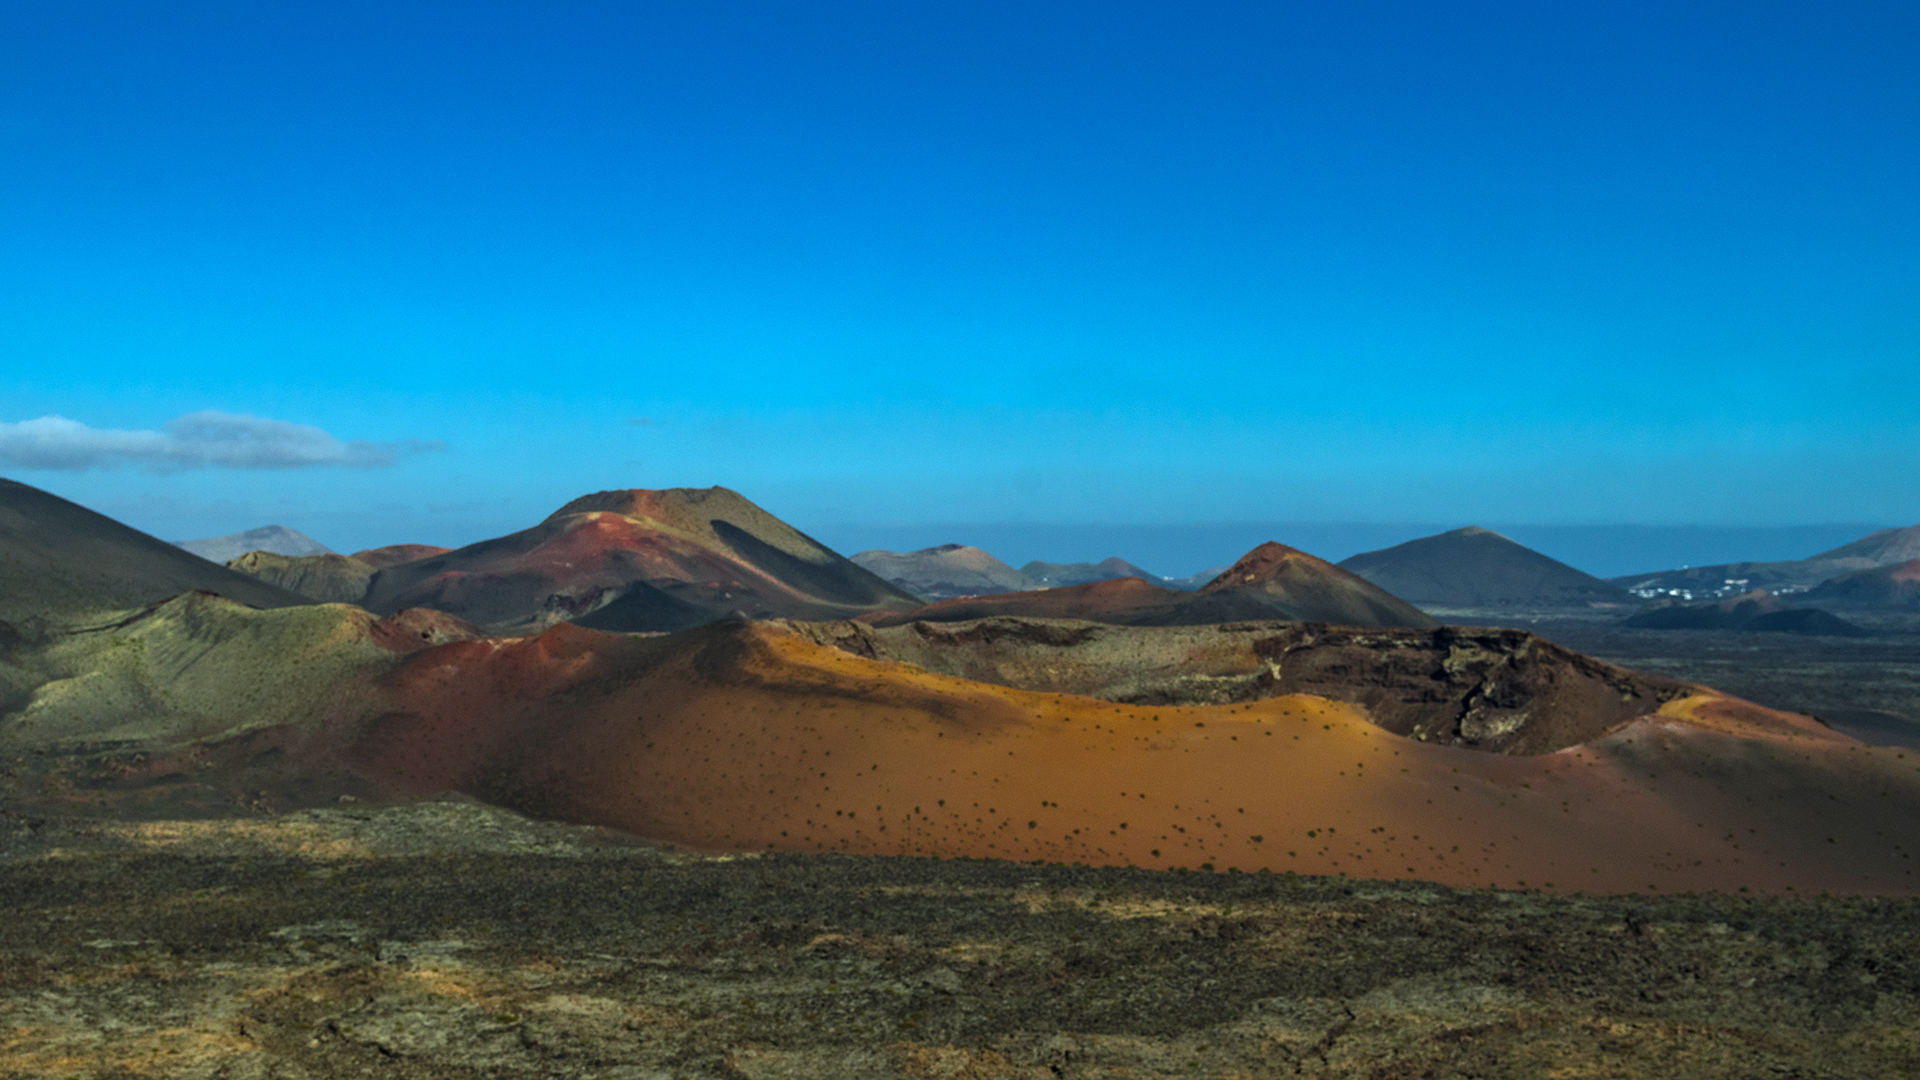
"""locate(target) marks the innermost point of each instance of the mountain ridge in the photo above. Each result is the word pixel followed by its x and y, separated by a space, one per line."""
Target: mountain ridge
pixel 275 538
pixel 944 571
pixel 1272 581
pixel 710 549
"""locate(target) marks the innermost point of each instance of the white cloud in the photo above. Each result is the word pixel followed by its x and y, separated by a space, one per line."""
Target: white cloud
pixel 206 439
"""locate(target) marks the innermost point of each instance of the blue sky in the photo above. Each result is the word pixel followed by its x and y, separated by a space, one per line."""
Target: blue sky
pixel 883 265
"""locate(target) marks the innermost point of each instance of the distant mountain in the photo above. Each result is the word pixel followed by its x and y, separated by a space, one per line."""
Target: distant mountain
pixel 944 572
pixel 1883 548
pixel 1886 547
pixel 1896 586
pixel 1195 582
pixel 275 538
pixel 1121 601
pixel 1271 582
pixel 1479 568
pixel 710 550
pixel 1054 575
pixel 59 559
pixel 330 578
pixel 1756 611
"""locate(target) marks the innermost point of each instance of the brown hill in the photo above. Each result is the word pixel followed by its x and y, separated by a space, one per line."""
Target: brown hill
pixel 1895 586
pixel 742 736
pixel 710 550
pixel 1479 568
pixel 1290 584
pixel 944 572
pixel 1054 575
pixel 746 737
pixel 394 554
pixel 1272 581
pixel 1756 611
pixel 58 560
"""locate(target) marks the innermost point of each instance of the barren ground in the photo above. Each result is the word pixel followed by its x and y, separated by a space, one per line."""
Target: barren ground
pixel 1866 687
pixel 450 940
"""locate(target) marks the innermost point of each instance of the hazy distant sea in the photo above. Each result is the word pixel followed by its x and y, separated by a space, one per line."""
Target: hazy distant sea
pixel 1179 550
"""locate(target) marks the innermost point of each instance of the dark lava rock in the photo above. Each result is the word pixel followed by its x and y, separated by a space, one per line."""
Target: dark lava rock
pixel 457 941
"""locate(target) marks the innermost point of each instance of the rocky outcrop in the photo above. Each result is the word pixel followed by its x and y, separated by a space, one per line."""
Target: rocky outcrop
pixel 1501 691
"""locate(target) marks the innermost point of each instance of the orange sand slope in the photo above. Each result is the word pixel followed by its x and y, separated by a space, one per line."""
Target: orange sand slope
pixel 742 736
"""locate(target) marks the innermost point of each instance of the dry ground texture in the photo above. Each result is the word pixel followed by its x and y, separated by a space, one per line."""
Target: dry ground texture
pixel 451 940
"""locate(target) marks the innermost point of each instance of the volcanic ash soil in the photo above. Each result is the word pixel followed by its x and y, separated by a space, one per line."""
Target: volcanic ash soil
pixel 446 939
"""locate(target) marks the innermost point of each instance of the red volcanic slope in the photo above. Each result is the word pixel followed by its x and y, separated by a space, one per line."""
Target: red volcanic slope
pixel 1272 581
pixel 711 551
pixel 747 737
pixel 394 554
pixel 1292 580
